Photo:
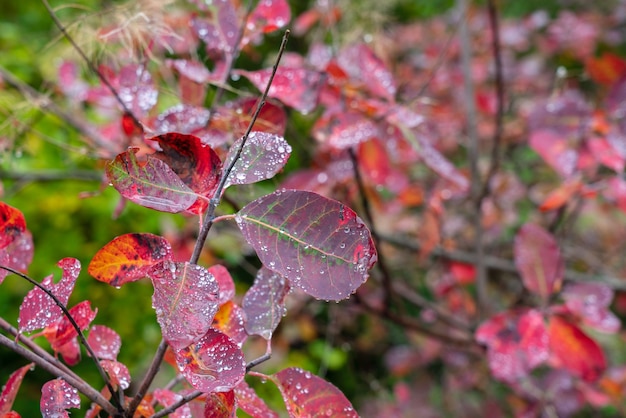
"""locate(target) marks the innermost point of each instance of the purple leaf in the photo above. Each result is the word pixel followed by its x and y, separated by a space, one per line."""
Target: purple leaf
pixel 591 302
pixel 215 363
pixel 136 89
pixel 57 396
pixel 538 259
pixel 264 303
pixel 152 184
pixel 185 299
pixel 344 130
pixel 182 118
pixel 262 157
pixel 38 310
pixel 224 282
pixel 218 27
pixel 105 342
pixel 319 244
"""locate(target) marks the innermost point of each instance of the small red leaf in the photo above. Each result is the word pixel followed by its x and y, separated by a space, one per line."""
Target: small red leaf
pixel 167 397
pixel 220 405
pixel 105 342
pixel 573 350
pixel 185 299
pixel 63 331
pixel 9 391
pixel 606 69
pixel 318 244
pixel 538 259
pixel 230 320
pixel 307 395
pixel 224 282
pixel 18 254
pixel 128 258
pixel 563 194
pixel 295 87
pixel 361 64
pixel 12 224
pixel 57 396
pixel 261 158
pixel 264 303
pixel 463 273
pixel 268 16
pixel 182 118
pixel 38 310
pixel 215 363
pixel 118 373
pixel 590 301
pixel 249 402
pixel 152 184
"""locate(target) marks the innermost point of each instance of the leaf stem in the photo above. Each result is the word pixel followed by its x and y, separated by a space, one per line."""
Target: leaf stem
pixel 81 336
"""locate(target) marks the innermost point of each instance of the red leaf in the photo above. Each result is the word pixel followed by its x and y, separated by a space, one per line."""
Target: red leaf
pixel 538 259
pixel 264 303
pixel 182 118
pixel 70 352
pixel 167 397
pixel 118 373
pixel 307 395
pixel 563 194
pixel 38 310
pixel 606 69
pixel 261 158
pixel 249 402
pixel 345 129
pixel 229 319
pixel 215 363
pixel 318 244
pixel 463 273
pixel 225 283
pixel 374 161
pixel 57 396
pixel 9 391
pixel 12 224
pixel 590 301
pixel 105 342
pixel 616 192
pixel 18 254
pixel 268 16
pixel 573 350
pixel 220 405
pixel 555 151
pixel 604 152
pixel 295 87
pixel 361 64
pixel 185 299
pixel 128 258
pixel 63 331
pixel 235 116
pixel 152 184
pixel 517 342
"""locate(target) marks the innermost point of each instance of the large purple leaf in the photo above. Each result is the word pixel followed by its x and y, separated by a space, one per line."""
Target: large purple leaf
pixel 538 259
pixel 185 299
pixel 319 244
pixel 264 303
pixel 38 310
pixel 262 157
pixel 57 396
pixel 215 363
pixel 152 184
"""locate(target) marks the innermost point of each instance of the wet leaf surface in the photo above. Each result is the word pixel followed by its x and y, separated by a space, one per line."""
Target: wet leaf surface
pixel 56 397
pixel 264 303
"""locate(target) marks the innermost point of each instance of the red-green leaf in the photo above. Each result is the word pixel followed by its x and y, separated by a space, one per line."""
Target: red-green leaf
pixel 57 396
pixel 152 183
pixel 167 397
pixel 262 157
pixel 215 363
pixel 12 224
pixel 105 342
pixel 538 259
pixel 118 373
pixel 220 405
pixel 128 258
pixel 249 402
pixel 573 350
pixel 319 244
pixel 38 310
pixel 264 303
pixel 230 320
pixel 9 391
pixel 185 299
pixel 307 395
pixel 296 87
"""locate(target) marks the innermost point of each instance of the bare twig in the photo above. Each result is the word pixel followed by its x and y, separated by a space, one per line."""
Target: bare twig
pixel 51 368
pixel 67 314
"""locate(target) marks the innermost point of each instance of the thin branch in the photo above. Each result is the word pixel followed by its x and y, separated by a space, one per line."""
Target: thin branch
pixel 91 65
pixel 209 216
pixel 80 385
pixel 382 264
pixel 148 378
pixel 67 314
pixel 185 399
pixel 44 102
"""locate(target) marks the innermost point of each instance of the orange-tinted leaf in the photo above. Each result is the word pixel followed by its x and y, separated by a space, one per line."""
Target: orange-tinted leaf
pixel 573 350
pixel 12 224
pixel 538 259
pixel 128 258
pixel 38 310
pixel 321 246
pixel 249 402
pixel 57 396
pixel 215 363
pixel 9 390
pixel 63 331
pixel 230 320
pixel 220 405
pixel 264 303
pixel 374 161
pixel 185 300
pixel 307 395
pixel 606 69
pixel 561 195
